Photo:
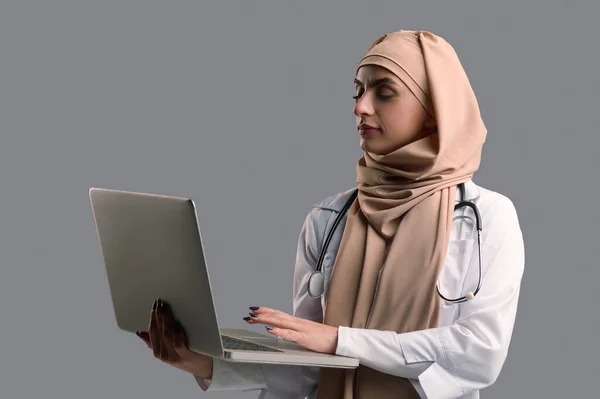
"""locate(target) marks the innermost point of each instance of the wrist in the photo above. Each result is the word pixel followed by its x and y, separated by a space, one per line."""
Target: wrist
pixel 208 372
pixel 204 369
pixel 335 341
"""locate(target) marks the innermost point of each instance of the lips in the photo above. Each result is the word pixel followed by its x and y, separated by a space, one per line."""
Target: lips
pixel 367 129
pixel 364 126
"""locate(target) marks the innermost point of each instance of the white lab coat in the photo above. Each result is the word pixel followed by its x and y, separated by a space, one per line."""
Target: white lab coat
pixel 455 360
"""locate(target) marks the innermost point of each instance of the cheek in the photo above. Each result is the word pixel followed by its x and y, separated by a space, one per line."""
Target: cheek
pixel 402 121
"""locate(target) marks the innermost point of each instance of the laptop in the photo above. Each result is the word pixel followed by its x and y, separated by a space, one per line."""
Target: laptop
pixel 152 247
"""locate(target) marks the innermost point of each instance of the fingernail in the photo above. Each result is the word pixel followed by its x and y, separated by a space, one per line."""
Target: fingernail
pixel 160 303
pixel 253 314
pixel 268 328
pixel 154 304
pixel 246 318
pixel 253 307
pixel 137 333
pixel 176 326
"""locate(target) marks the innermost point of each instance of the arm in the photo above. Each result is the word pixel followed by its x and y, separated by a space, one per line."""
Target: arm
pixel 278 381
pixel 454 360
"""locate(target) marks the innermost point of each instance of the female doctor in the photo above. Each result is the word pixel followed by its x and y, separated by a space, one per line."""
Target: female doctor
pixel 423 293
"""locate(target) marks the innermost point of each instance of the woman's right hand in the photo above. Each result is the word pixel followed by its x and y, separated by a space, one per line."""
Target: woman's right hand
pixel 168 341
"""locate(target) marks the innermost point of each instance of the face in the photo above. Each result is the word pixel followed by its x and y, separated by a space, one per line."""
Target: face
pixel 385 103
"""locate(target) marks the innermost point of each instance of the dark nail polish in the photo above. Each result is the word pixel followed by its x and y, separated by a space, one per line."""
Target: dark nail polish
pixel 154 304
pixel 268 328
pixel 246 318
pixel 253 315
pixel 161 304
pixel 253 307
pixel 176 326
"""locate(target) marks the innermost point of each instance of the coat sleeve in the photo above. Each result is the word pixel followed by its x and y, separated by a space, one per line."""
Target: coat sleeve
pixel 275 381
pixel 455 360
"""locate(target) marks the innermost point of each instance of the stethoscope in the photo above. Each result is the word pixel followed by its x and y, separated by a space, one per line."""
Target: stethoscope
pixel 316 282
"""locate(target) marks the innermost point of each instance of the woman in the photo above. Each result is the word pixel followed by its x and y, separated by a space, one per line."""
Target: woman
pixel 401 240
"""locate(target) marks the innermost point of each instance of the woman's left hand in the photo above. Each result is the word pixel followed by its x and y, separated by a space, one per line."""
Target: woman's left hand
pixel 314 336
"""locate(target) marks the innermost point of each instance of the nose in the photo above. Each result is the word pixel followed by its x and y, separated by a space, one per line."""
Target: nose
pixel 363 106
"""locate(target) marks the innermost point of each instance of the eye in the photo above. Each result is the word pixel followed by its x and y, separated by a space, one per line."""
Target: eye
pixel 385 90
pixel 379 95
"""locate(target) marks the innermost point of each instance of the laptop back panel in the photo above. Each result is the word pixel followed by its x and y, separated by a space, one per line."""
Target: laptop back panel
pixel 152 247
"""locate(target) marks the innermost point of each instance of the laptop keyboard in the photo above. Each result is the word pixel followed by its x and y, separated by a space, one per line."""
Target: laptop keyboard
pixel 233 343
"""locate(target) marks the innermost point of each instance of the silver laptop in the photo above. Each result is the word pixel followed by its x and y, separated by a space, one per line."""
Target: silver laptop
pixel 152 248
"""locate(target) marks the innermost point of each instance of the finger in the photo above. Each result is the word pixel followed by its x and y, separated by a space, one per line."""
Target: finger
pixel 167 332
pixel 153 331
pixel 280 316
pixel 160 315
pixel 263 309
pixel 179 337
pixel 286 334
pixel 278 319
pixel 144 336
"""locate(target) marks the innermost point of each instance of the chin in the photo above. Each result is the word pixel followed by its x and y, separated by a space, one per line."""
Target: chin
pixel 373 149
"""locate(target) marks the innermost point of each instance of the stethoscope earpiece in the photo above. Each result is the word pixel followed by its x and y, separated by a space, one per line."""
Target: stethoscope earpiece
pixel 469 296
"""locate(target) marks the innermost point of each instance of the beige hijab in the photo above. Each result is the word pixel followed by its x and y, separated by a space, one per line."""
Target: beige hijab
pixel 401 219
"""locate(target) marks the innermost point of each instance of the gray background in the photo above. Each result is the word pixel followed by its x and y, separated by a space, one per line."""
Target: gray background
pixel 246 107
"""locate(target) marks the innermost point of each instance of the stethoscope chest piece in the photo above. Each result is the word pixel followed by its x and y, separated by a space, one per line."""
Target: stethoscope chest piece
pixel 316 284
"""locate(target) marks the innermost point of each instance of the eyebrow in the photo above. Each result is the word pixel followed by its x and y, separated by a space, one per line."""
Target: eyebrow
pixel 376 82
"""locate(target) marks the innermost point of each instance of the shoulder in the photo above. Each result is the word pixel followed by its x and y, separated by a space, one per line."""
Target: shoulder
pixel 323 212
pixel 493 204
pixel 319 217
pixel 499 218
pixel 334 202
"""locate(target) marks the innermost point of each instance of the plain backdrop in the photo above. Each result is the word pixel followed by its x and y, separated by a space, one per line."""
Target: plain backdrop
pixel 246 107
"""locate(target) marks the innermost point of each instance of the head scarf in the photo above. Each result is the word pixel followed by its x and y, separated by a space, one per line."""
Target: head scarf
pixel 398 227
